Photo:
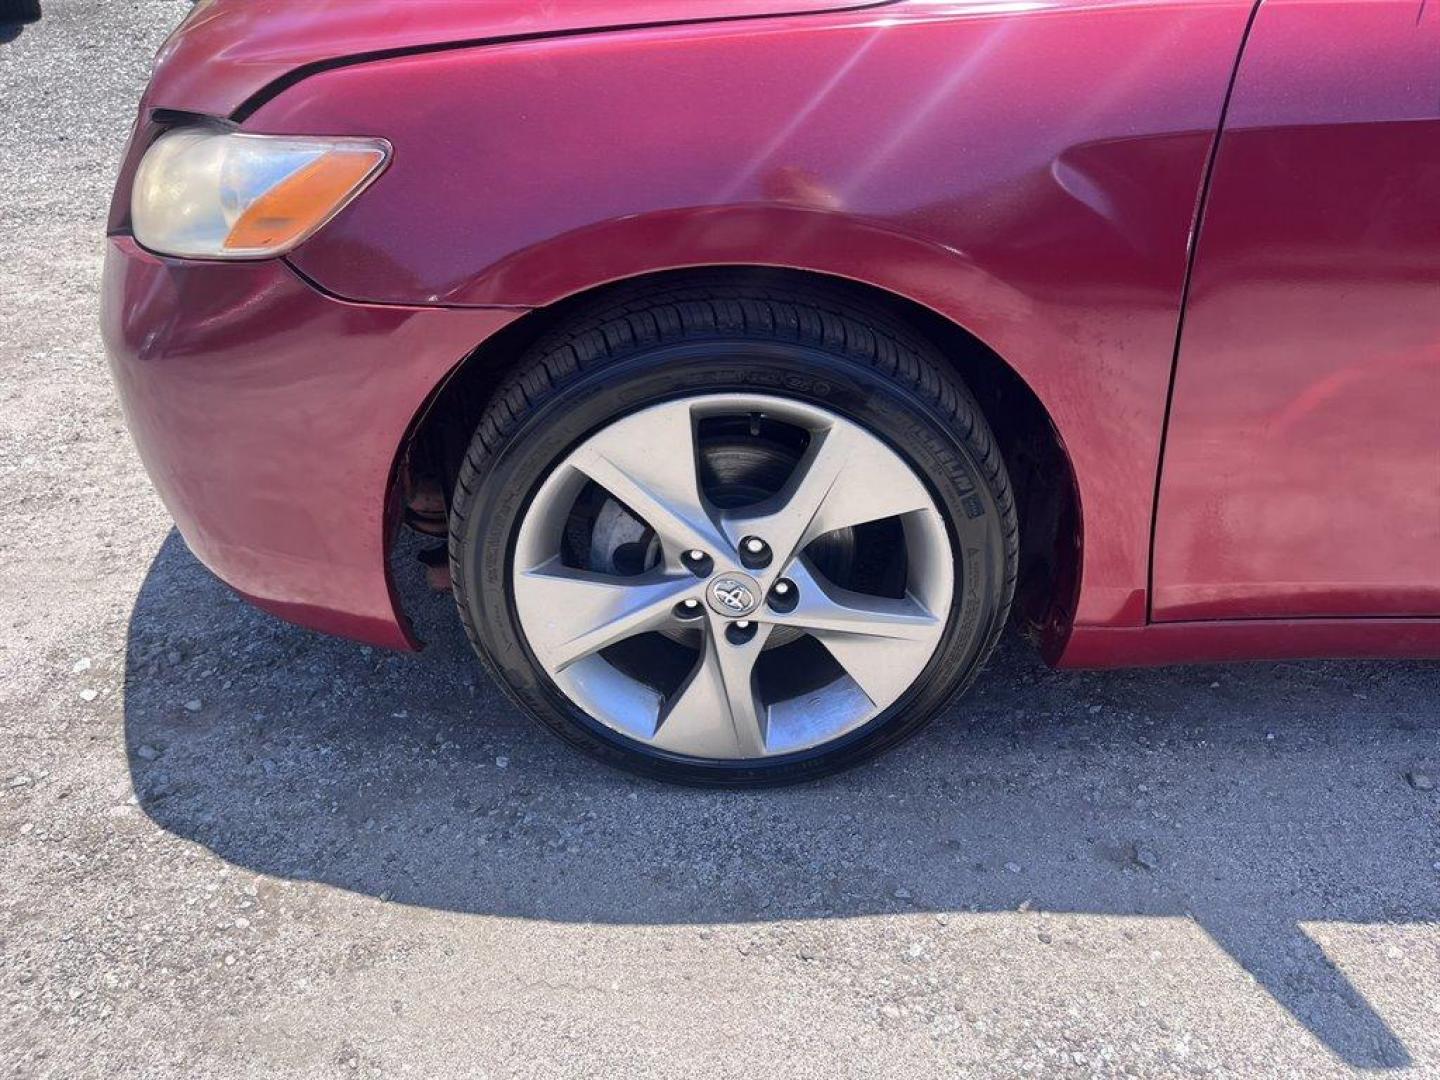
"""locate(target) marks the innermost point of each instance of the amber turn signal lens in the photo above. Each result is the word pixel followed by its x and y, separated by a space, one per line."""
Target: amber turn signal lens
pixel 302 202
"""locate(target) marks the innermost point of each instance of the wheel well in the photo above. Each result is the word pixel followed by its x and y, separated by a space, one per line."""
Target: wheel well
pixel 1046 496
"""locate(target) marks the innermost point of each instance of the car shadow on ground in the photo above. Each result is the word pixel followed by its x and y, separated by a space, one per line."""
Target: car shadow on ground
pixel 1253 799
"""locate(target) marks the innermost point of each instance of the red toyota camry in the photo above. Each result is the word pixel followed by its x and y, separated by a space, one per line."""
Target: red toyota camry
pixel 762 358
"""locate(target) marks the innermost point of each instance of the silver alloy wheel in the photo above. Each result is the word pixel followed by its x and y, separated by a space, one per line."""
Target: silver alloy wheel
pixel 731 584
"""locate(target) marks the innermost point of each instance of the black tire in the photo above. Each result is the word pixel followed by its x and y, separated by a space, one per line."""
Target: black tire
pixel 644 345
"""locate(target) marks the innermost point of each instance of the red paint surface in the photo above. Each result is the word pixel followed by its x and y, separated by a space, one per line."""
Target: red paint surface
pixel 1226 640
pixel 1031 175
pixel 268 417
pixel 1302 466
pixel 1030 172
pixel 230 50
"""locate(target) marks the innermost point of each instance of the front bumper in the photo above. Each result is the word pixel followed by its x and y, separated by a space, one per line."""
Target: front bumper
pixel 269 417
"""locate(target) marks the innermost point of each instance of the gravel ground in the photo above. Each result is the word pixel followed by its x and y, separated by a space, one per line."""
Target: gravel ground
pixel 231 847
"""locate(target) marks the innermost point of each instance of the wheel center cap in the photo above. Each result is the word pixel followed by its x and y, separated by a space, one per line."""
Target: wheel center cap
pixel 733 595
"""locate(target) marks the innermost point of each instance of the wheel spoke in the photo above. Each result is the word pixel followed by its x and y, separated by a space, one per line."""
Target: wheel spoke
pixel 881 642
pixel 847 477
pixel 717 713
pixel 570 614
pixel 825 606
pixel 882 667
pixel 648 462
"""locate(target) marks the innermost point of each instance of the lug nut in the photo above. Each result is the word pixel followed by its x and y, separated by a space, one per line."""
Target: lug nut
pixel 754 552
pixel 697 562
pixel 783 596
pixel 738 633
pixel 688 609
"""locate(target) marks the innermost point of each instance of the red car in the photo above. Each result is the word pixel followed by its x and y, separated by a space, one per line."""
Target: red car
pixel 764 357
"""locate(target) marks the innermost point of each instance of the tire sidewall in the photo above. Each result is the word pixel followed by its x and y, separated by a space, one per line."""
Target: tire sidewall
pixel 598 396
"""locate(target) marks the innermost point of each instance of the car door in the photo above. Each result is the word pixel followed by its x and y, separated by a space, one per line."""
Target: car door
pixel 1301 467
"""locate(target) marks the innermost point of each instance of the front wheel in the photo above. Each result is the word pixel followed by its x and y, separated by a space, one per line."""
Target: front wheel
pixel 733 535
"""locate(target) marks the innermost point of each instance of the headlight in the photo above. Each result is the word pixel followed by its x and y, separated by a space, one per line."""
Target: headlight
pixel 215 194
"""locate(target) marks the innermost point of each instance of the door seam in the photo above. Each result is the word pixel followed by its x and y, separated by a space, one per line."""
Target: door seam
pixel 1197 224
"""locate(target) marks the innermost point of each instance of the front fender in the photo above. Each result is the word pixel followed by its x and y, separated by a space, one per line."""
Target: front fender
pixel 1030 175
